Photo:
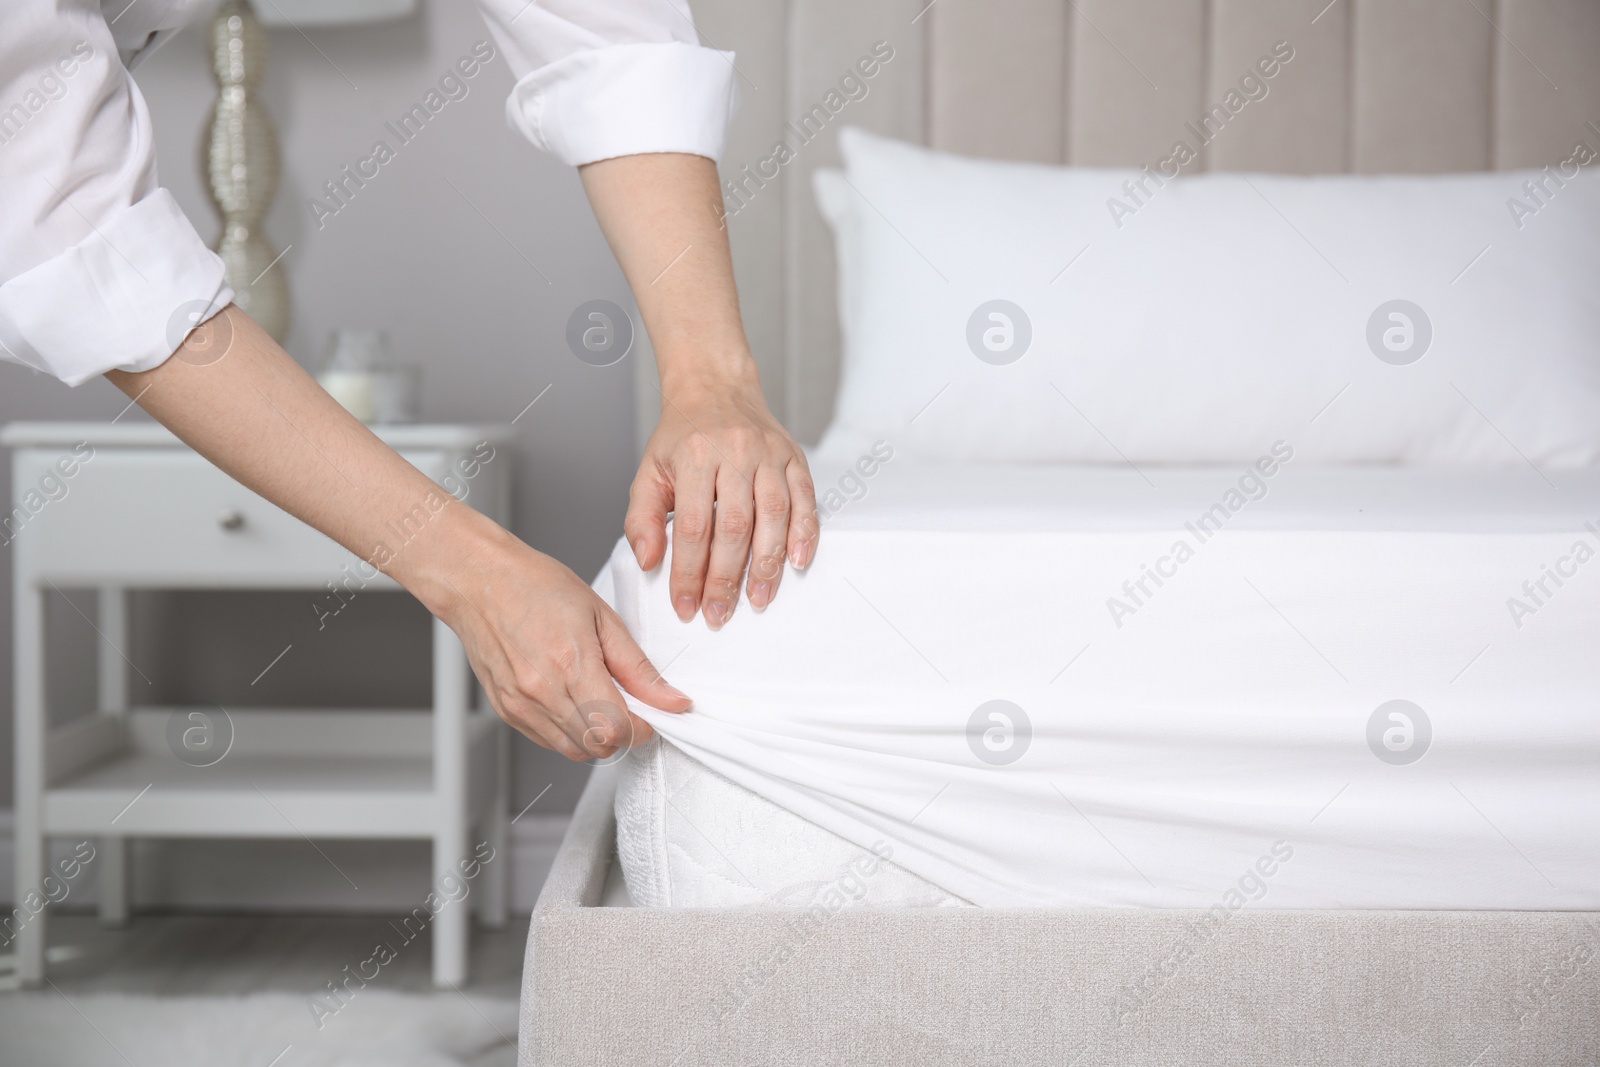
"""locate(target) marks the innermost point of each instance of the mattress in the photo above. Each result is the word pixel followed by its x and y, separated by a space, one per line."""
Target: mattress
pixel 689 837
pixel 1267 687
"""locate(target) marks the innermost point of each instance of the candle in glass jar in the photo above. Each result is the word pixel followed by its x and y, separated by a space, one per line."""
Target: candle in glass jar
pixel 352 389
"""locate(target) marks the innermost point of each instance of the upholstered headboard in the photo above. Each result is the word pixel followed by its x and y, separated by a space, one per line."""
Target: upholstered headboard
pixel 1375 86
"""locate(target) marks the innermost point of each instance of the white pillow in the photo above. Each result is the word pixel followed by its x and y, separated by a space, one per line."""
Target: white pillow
pixel 1212 315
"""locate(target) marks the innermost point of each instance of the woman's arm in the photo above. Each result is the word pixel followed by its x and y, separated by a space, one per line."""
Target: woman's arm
pixel 543 645
pixel 96 259
pixel 736 481
pixel 624 90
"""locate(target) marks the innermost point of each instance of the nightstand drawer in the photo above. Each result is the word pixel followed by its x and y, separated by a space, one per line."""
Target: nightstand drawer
pixel 165 516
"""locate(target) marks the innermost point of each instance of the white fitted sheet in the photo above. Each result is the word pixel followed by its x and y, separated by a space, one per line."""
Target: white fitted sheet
pixel 1212 749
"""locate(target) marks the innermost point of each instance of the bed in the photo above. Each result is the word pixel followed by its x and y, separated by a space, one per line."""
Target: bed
pixel 984 680
pixel 1244 725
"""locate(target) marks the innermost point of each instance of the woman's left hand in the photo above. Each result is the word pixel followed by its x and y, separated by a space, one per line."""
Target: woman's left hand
pixel 739 490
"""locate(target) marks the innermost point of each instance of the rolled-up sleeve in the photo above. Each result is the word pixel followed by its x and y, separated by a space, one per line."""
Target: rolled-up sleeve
pixel 99 268
pixel 604 78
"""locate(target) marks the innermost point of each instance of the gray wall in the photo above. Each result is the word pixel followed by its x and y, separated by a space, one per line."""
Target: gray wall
pixel 411 256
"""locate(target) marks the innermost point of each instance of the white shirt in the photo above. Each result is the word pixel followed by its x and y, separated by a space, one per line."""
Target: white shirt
pixel 101 270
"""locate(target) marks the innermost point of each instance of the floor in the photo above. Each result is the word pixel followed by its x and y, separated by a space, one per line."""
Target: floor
pixel 189 955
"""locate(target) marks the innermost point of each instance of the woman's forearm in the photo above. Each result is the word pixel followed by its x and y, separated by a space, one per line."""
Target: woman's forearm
pixel 661 214
pixel 734 479
pixel 544 647
pixel 238 399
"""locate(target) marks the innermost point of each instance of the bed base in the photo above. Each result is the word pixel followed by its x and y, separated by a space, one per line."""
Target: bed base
pixel 1065 988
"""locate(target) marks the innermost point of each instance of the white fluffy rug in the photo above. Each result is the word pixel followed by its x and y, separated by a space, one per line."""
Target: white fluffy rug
pixel 376 1029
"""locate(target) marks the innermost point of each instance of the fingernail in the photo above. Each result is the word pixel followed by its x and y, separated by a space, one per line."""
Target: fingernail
pixel 673 690
pixel 803 554
pixel 715 613
pixel 638 553
pixel 760 593
pixel 685 607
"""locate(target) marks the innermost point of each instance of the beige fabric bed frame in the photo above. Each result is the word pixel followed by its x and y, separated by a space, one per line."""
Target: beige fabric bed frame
pixel 1375 86
pixel 930 987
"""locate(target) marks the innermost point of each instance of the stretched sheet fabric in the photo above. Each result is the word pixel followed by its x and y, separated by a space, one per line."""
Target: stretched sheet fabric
pixel 1224 732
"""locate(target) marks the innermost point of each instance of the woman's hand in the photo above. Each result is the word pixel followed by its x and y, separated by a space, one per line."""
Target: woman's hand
pixel 543 645
pixel 716 443
pixel 740 491
pixel 545 648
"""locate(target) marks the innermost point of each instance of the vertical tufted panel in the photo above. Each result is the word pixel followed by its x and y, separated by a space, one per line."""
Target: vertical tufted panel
pixel 826 39
pixel 1543 42
pixel 1137 72
pixel 1303 125
pixel 996 78
pixel 1422 72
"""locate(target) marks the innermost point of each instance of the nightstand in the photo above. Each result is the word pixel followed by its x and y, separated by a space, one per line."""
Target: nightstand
pixel 120 507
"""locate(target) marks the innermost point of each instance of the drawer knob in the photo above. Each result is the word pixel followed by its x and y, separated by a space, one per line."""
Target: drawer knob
pixel 231 519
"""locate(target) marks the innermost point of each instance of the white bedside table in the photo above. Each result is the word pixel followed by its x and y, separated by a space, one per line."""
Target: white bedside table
pixel 140 510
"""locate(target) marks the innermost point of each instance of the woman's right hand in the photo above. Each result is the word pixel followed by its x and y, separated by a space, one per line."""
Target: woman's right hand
pixel 544 646
pixel 548 651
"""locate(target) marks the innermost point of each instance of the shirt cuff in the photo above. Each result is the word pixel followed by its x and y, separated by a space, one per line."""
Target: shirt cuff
pixel 622 100
pixel 123 298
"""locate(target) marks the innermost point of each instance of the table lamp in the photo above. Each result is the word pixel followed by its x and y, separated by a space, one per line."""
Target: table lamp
pixel 240 153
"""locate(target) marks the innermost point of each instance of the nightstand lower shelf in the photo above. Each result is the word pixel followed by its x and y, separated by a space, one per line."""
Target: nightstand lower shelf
pixel 373 777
